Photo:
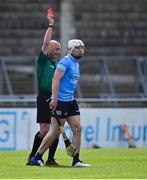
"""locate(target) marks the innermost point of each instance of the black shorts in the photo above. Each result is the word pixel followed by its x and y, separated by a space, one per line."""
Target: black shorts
pixel 66 109
pixel 43 110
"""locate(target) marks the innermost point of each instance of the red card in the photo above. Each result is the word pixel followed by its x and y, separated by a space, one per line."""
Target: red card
pixel 50 11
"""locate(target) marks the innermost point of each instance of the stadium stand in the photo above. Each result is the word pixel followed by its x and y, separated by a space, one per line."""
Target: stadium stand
pixel 114 32
pixel 22 26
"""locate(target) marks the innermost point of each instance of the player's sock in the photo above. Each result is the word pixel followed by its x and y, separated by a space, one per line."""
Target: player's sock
pixel 52 150
pixel 76 158
pixel 38 156
pixel 36 144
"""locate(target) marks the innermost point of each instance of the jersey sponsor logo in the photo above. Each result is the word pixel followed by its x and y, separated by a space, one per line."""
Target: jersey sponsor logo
pixel 74 78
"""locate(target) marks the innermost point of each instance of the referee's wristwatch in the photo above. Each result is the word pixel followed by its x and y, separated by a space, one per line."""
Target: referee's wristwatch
pixel 51 25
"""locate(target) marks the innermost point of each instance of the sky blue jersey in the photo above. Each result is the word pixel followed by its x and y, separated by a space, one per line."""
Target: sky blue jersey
pixel 70 68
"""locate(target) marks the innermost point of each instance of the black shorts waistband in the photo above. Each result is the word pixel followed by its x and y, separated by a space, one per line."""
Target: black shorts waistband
pixel 48 94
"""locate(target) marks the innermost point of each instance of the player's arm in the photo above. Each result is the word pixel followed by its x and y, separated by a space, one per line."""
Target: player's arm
pixel 55 86
pixel 48 34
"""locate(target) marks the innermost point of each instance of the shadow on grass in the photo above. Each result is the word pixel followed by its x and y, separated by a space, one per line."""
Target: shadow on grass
pixel 61 166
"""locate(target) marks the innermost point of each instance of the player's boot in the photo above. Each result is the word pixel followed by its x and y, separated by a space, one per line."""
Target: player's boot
pixel 80 164
pixel 37 162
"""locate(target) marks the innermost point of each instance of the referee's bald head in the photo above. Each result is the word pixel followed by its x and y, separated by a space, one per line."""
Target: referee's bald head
pixel 54 50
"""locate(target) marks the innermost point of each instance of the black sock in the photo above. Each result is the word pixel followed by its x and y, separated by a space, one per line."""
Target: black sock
pixel 38 156
pixel 76 158
pixel 52 149
pixel 36 144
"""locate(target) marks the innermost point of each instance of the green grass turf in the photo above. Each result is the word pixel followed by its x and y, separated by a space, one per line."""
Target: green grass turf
pixel 106 164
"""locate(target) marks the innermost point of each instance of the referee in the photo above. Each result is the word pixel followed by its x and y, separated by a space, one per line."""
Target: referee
pixel 46 64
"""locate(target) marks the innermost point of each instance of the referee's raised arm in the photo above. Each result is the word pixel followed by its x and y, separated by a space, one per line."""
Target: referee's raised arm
pixel 48 34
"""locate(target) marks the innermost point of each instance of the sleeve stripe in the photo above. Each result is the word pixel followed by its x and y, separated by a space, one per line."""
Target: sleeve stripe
pixel 60 66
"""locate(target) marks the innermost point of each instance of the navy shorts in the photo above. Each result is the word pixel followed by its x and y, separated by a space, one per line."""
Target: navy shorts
pixel 43 111
pixel 66 109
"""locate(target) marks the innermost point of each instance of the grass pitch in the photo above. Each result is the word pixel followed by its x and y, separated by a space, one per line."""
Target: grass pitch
pixel 106 164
